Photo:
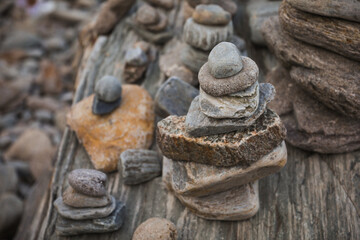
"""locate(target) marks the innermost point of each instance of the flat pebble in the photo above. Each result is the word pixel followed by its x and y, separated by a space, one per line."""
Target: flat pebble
pixel 211 14
pixel 88 181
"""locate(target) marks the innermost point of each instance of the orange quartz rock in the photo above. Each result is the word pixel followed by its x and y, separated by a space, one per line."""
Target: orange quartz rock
pixel 130 126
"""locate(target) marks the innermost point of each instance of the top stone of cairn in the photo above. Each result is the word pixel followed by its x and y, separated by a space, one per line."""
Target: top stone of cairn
pixel 211 14
pixel 108 89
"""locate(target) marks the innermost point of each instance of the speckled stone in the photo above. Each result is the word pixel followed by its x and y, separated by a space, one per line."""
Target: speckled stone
pixel 224 60
pixel 88 181
pixel 108 89
pixel 242 147
pixel 206 37
pixel 139 165
pixel 147 15
pixel 198 124
pixel 78 200
pixel 156 228
pixel 225 86
pixel 68 227
pixel 237 105
pixel 211 14
pixel 197 180
pixel 84 213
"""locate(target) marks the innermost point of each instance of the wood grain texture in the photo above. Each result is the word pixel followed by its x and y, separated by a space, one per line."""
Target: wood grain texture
pixel 314 197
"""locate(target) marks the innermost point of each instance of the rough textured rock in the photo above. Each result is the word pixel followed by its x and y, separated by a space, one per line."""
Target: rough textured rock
pixel 198 124
pixel 132 125
pixel 238 105
pixel 84 213
pixel 331 8
pixel 224 60
pixel 33 146
pixel 232 205
pixel 196 179
pixel 220 87
pixel 258 12
pixel 330 77
pixel 139 165
pixel 280 79
pixel 242 147
pixel 147 15
pixel 206 37
pixel 339 36
pixel 193 58
pixel 167 4
pixel 113 222
pixel 155 228
pixel 75 199
pixel 211 14
pixel 174 97
pixel 88 181
pixel 11 208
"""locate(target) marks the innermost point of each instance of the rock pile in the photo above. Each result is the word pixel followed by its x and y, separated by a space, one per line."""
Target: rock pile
pixel 228 140
pixel 86 207
pixel 319 50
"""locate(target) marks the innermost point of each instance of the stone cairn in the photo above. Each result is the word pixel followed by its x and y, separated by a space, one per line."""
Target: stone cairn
pixel 151 21
pixel 215 154
pixel 86 207
pixel 318 86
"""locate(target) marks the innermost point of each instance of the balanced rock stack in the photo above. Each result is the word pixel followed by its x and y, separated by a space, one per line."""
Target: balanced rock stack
pixel 318 43
pixel 86 207
pixel 228 140
pixel 208 26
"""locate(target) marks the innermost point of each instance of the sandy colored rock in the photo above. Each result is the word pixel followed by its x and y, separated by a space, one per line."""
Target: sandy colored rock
pixel 147 15
pixel 78 200
pixel 167 4
pixel 346 9
pixel 241 147
pixel 155 228
pixel 198 124
pixel 228 5
pixel 160 25
pixel 211 14
pixel 281 80
pixel 339 36
pixel 220 87
pixel 35 147
pixel 130 126
pixel 133 73
pixel 329 77
pixel 196 179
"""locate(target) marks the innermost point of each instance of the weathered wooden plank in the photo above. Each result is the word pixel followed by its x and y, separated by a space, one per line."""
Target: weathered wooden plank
pixel 314 197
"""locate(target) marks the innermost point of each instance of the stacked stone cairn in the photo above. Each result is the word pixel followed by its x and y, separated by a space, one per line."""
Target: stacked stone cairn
pixel 318 85
pixel 214 156
pixel 86 207
pixel 151 21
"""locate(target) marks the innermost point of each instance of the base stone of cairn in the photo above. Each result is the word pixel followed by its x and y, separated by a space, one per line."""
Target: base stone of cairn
pixel 88 186
pixel 212 164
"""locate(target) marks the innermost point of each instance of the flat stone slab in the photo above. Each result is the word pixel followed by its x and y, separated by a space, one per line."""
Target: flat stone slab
pixel 75 199
pixel 337 35
pixel 198 124
pixel 68 227
pixel 242 147
pixel 84 213
pixel 196 179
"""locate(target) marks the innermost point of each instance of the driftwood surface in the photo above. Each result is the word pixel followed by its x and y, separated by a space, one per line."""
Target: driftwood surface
pixel 314 197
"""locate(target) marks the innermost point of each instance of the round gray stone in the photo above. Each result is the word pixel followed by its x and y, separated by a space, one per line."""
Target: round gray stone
pixel 136 57
pixel 224 60
pixel 88 181
pixel 244 79
pixel 108 89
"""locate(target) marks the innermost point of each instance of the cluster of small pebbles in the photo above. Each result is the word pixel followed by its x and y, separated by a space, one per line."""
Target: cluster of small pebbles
pixel 318 85
pixel 86 207
pixel 228 140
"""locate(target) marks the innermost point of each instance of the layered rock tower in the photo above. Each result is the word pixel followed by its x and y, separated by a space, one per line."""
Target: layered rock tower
pixel 215 154
pixel 318 44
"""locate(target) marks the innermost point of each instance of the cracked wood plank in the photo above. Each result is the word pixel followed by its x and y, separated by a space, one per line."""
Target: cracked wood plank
pixel 314 197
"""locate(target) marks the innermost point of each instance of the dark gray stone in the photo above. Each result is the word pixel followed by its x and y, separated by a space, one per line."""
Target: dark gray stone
pixel 198 124
pixel 102 108
pixel 68 227
pixel 193 58
pixel 8 178
pixel 139 165
pixel 88 181
pixel 11 209
pixel 174 97
pixel 84 213
pixel 108 89
pixel 224 60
